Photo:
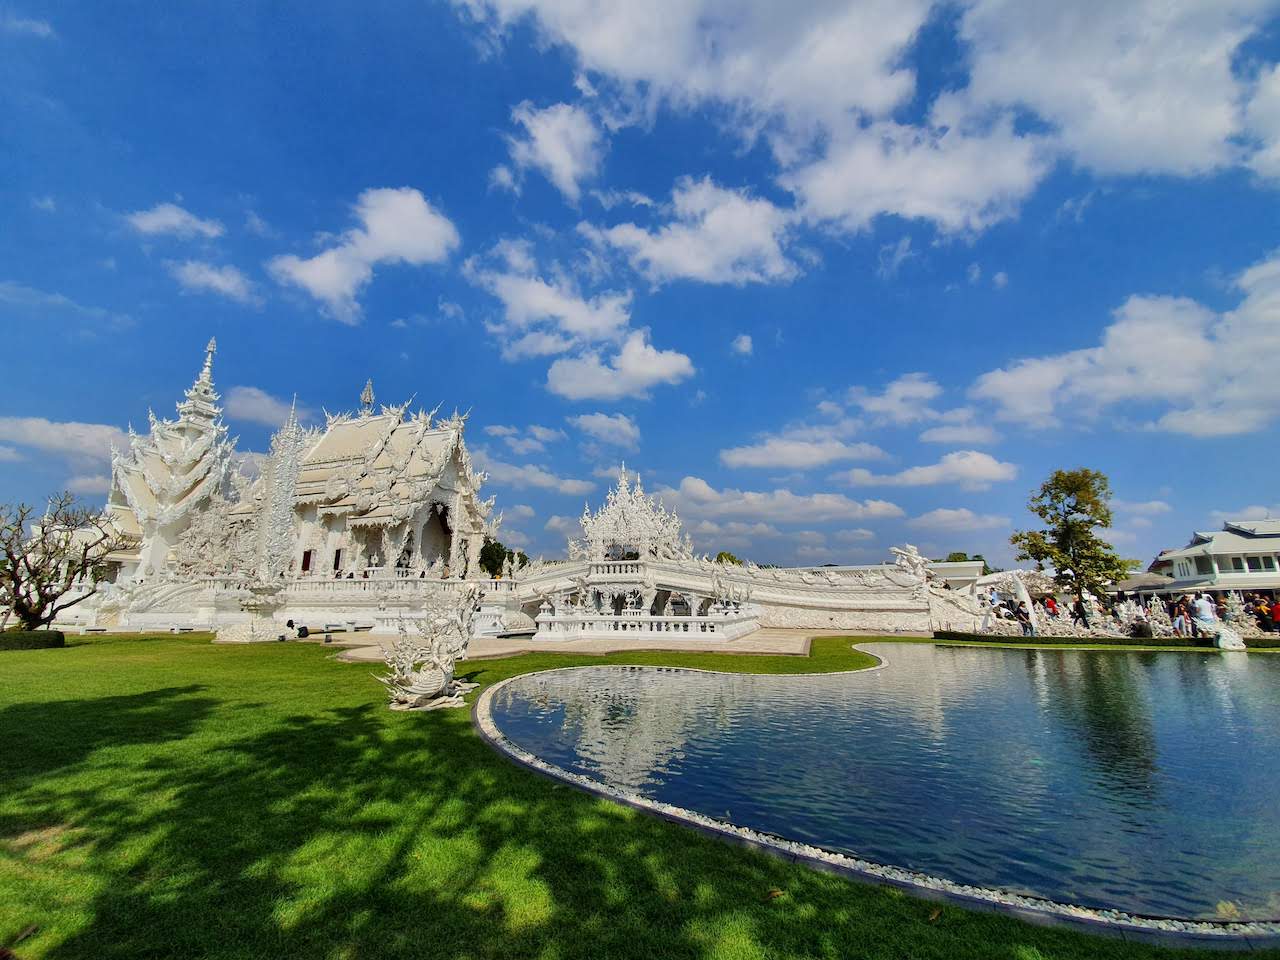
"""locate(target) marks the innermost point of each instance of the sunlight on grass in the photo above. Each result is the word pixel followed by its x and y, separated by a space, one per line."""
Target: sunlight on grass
pixel 165 797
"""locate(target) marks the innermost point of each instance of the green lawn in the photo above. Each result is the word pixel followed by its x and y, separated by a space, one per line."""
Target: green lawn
pixel 164 797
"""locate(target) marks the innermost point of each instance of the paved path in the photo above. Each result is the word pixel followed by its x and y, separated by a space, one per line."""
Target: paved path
pixel 763 641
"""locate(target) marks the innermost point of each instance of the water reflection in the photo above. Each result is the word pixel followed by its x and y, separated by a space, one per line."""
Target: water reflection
pixel 1148 782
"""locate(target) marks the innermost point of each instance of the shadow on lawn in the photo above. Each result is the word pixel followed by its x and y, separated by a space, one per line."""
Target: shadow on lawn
pixel 359 833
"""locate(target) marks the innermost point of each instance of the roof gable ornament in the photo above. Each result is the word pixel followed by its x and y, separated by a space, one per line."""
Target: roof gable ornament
pixel 631 521
pixel 366 399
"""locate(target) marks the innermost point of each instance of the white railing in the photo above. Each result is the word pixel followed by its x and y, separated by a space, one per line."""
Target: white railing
pixel 612 568
pixel 593 626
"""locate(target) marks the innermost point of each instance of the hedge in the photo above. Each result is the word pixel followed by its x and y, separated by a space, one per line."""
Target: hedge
pixel 31 639
pixel 1256 642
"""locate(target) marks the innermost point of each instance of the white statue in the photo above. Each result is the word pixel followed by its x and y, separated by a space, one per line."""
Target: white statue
pixel 421 666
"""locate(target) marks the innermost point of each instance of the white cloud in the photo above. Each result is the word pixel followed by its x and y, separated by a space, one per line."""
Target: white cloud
pixel 632 372
pixel 807 63
pixel 1144 508
pixel 226 281
pixel 789 452
pixel 971 469
pixel 617 429
pixel 520 511
pixel 566 526
pixel 89 483
pixel 959 520
pixel 12 23
pixel 40 301
pixel 1263 118
pixel 855 535
pixel 169 218
pixel 45 204
pixel 10 455
pixel 89 441
pixel 1154 347
pixel 256 225
pixel 717 235
pixel 526 476
pixel 905 400
pixel 560 141
pixel 258 406
pixel 1000 280
pixel 972 433
pixel 396 226
pixel 958 181
pixel 1144 86
pixel 1255 511
pixel 892 257
pixel 697 498
pixel 742 345
pixel 973 274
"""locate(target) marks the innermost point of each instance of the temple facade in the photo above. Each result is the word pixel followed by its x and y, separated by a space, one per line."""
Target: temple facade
pixel 378 493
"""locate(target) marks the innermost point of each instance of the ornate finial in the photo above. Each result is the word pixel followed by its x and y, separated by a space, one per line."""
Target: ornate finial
pixel 291 422
pixel 206 374
pixel 366 398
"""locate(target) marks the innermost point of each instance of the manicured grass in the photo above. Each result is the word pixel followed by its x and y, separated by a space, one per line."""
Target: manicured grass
pixel 164 797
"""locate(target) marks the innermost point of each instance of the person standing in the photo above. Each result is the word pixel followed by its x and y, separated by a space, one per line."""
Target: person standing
pixel 1079 616
pixel 1023 616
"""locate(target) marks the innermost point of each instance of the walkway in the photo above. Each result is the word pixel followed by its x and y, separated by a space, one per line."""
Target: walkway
pixel 763 641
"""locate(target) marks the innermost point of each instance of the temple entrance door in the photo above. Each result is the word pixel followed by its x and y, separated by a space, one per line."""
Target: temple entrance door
pixel 436 538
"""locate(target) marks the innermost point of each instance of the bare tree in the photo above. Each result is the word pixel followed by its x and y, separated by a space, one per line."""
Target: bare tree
pixel 51 562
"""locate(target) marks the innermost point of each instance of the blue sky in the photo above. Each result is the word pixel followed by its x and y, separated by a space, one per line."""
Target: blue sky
pixel 831 276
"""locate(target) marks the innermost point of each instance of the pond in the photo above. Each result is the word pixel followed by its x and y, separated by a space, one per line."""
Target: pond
pixel 1143 782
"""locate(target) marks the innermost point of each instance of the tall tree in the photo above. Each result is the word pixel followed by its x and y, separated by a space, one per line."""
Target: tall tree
pixel 1073 504
pixel 724 556
pixel 50 565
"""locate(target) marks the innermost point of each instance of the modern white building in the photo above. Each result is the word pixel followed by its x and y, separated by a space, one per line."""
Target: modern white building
pixel 1244 555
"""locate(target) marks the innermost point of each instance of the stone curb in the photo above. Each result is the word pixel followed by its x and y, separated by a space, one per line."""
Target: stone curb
pixel 1163 931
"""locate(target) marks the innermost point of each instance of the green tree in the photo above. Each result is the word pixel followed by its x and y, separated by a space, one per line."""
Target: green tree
pixel 958 556
pixel 51 561
pixel 1073 505
pixel 494 554
pixel 724 556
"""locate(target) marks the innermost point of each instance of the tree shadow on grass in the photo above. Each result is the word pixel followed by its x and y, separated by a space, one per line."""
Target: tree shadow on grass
pixel 357 833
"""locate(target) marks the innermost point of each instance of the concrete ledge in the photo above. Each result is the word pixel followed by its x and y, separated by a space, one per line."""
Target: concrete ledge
pixel 1163 931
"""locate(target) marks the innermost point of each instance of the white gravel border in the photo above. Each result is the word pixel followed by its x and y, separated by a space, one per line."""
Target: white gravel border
pixel 1239 934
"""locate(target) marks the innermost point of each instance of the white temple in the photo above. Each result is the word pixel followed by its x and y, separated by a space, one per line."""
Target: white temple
pixel 359 524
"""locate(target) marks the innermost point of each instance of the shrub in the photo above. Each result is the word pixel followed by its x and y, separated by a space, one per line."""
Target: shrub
pixel 31 639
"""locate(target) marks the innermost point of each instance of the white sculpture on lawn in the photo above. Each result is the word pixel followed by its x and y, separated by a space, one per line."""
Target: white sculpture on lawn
pixel 421 663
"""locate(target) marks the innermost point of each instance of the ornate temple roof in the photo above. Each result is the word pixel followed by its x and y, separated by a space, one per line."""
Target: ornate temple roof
pixel 378 467
pixel 630 520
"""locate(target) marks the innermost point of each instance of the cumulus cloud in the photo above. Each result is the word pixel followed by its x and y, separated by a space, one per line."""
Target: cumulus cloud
pixel 617 429
pixel 90 441
pixel 29 299
pixel 527 476
pixel 1149 86
pixel 715 235
pixel 89 483
pixel 697 498
pixel 561 142
pixel 30 26
pixel 1138 87
pixel 169 218
pixel 790 452
pixel 957 180
pixel 953 433
pixel 970 469
pixel 1153 348
pixel 905 400
pixel 519 511
pixel 9 455
pixel 227 281
pixel 257 406
pixel 957 520
pixel 396 226
pixel 1255 511
pixel 742 345
pixel 632 372
pixel 1263 119
pixel 566 526
pixel 1142 508
pixel 532 439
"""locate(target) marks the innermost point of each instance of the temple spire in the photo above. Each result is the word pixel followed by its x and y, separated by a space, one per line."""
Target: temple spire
pixel 206 374
pixel 366 399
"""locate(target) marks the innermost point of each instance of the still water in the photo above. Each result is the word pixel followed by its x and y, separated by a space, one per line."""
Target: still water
pixel 1145 782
